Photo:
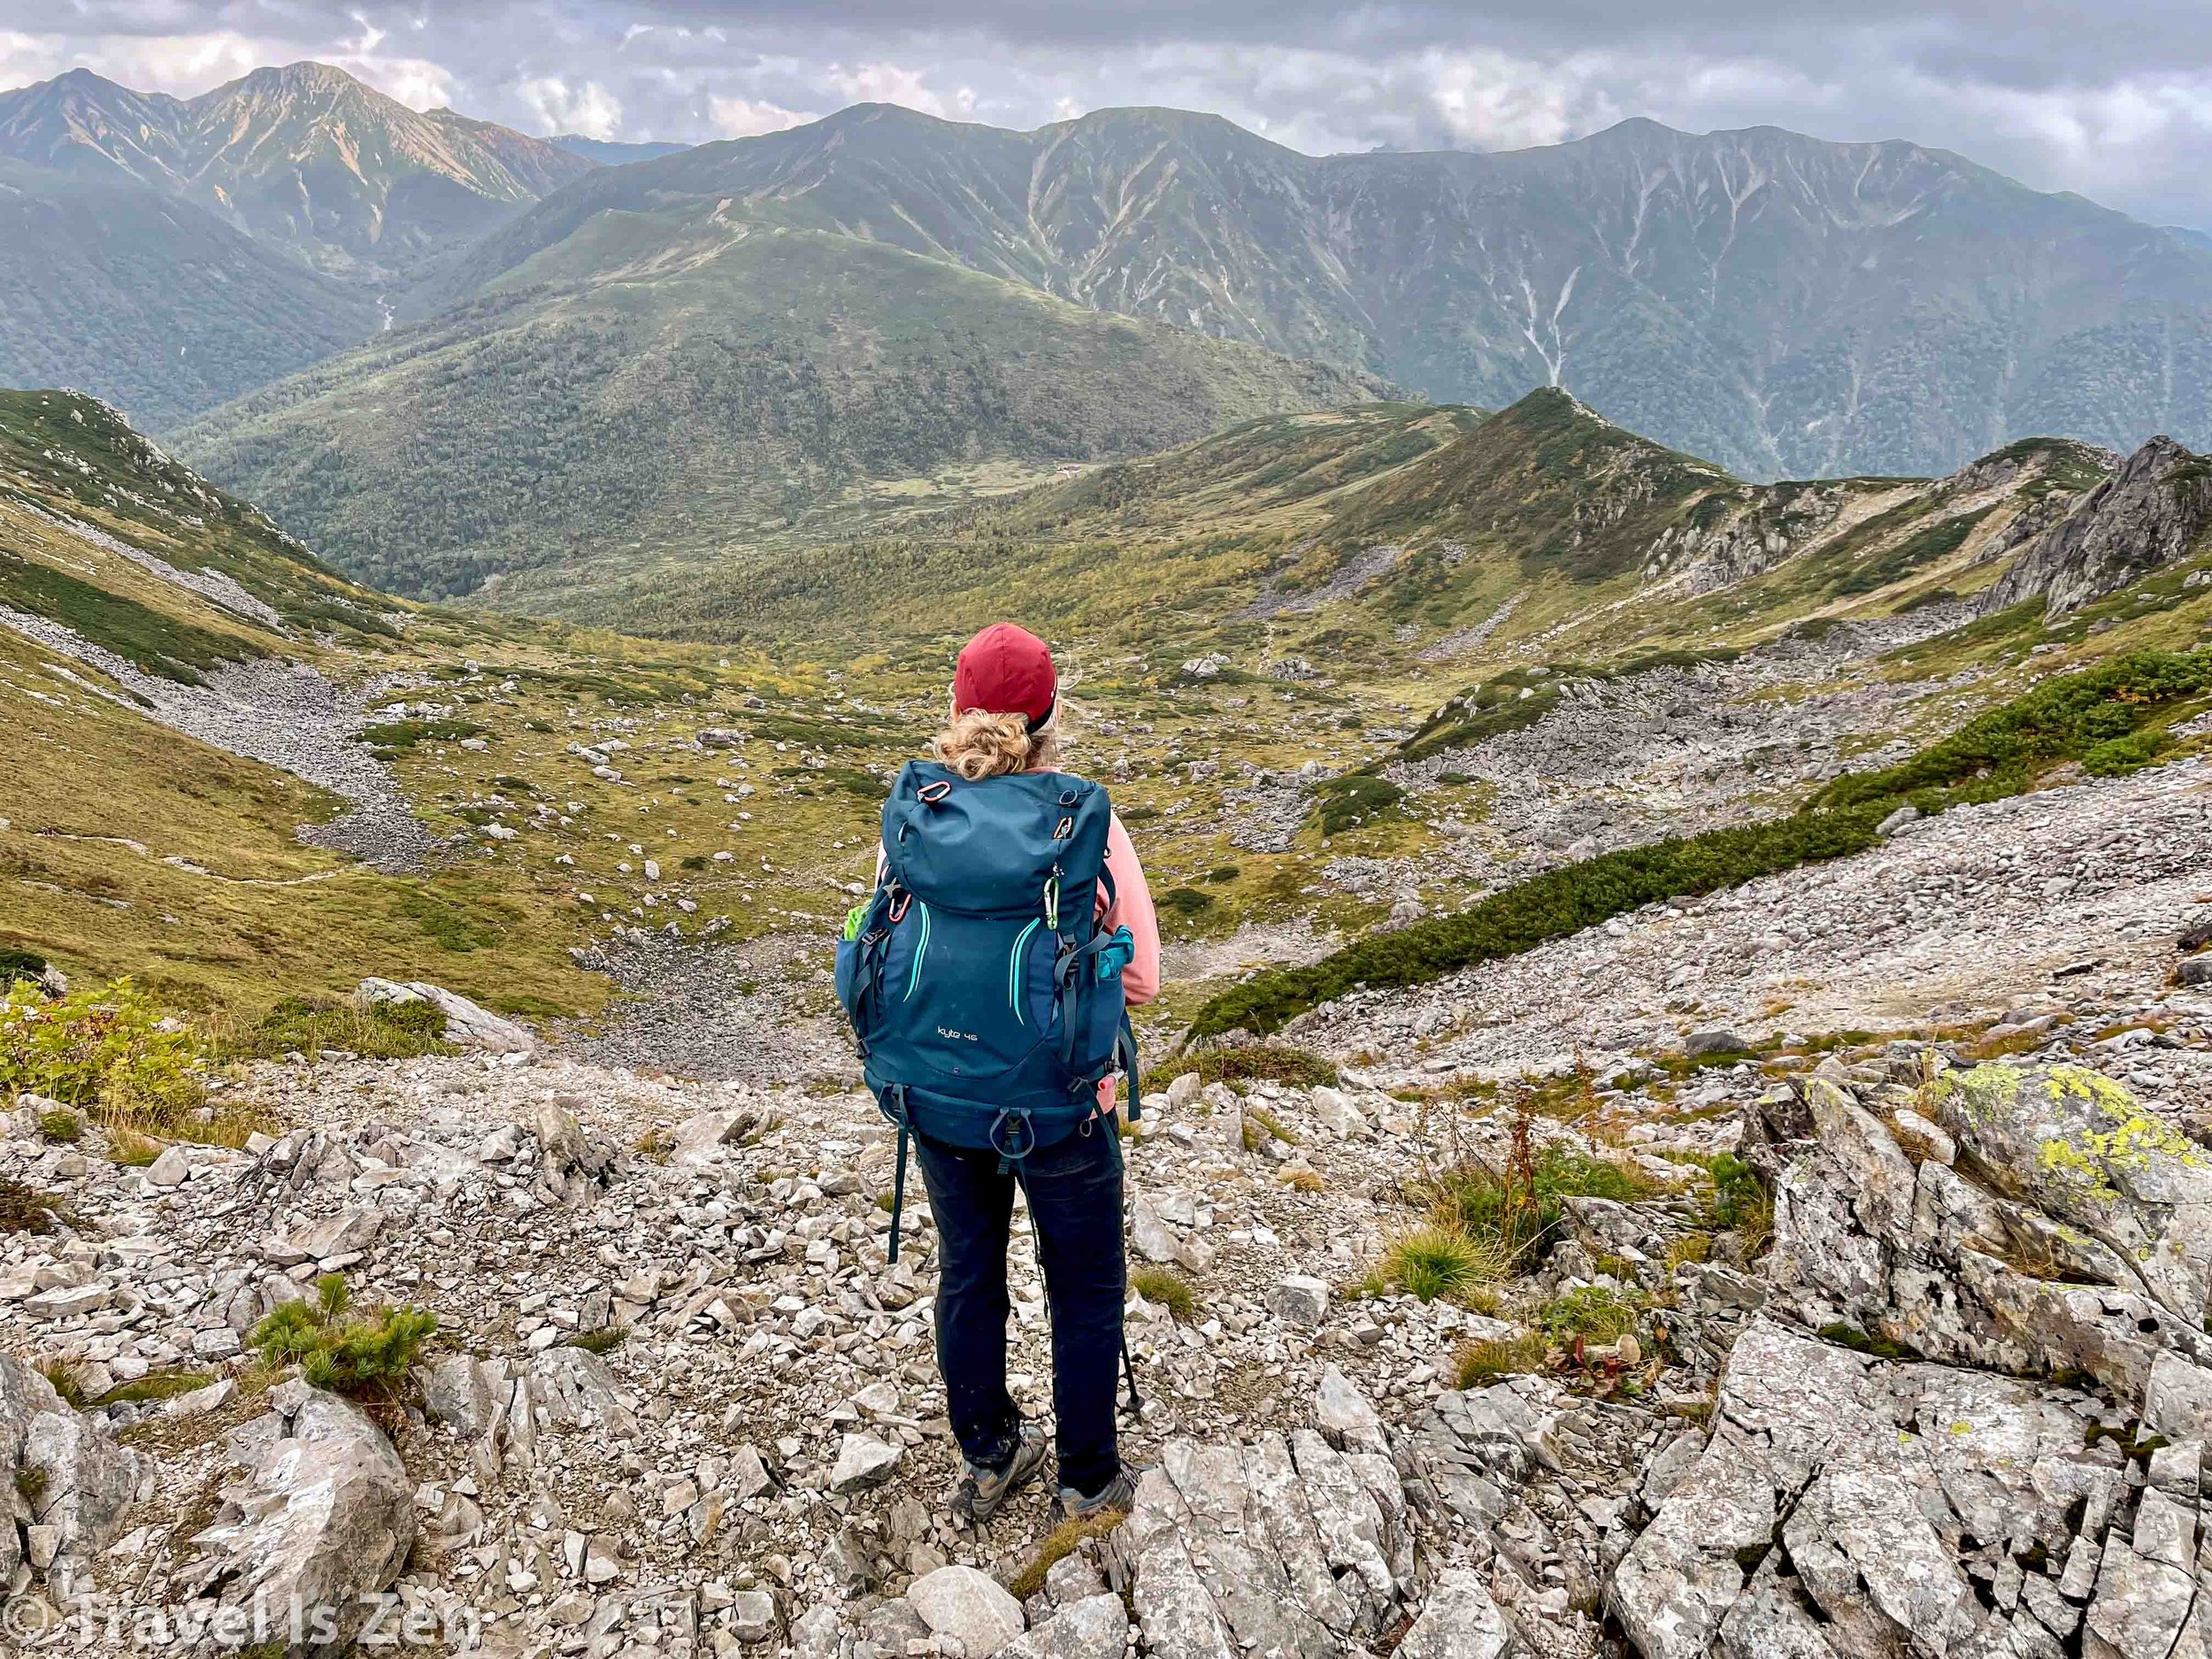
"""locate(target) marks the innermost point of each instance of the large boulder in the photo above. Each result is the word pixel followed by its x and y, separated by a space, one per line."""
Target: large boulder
pixel 1084 1629
pixel 971 1607
pixel 1283 1545
pixel 1460 1622
pixel 324 1517
pixel 467 1024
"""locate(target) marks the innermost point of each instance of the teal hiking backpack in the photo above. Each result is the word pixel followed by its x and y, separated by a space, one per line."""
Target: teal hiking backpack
pixel 985 998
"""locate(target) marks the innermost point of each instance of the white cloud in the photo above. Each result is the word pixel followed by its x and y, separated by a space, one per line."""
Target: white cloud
pixel 885 83
pixel 749 118
pixel 565 106
pixel 416 82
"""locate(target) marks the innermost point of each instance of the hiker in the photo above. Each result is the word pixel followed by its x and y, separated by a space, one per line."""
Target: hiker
pixel 989 978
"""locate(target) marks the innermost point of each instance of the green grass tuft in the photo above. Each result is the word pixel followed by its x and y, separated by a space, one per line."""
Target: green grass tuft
pixel 1163 1288
pixel 1591 1312
pixel 307 1024
pixel 1063 1541
pixel 1435 1262
pixel 1478 1364
pixel 1248 1063
pixel 156 1385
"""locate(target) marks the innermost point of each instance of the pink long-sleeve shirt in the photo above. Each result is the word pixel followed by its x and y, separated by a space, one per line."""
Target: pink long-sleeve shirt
pixel 1131 909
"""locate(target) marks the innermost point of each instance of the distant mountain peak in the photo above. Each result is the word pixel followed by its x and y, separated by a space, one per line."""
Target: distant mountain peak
pixel 302 155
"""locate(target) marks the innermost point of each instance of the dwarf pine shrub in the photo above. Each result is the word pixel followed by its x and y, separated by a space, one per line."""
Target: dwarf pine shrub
pixel 366 1355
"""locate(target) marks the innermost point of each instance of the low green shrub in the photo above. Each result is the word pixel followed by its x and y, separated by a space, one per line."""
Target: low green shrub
pixel 21 964
pixel 107 1049
pixel 366 1355
pixel 62 1127
pixel 1356 798
pixel 605 1340
pixel 1185 902
pixel 1859 1342
pixel 1534 912
pixel 24 1209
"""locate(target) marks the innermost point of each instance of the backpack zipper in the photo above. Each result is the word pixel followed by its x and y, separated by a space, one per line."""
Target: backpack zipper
pixel 1014 970
pixel 921 950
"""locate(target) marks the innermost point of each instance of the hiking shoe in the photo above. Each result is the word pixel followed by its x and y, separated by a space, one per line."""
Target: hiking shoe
pixel 1118 1495
pixel 984 1492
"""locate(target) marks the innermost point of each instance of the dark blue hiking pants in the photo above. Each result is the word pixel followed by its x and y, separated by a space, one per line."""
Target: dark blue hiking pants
pixel 1074 1192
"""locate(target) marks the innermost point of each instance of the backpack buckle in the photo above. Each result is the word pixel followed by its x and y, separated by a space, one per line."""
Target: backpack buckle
pixel 1023 1134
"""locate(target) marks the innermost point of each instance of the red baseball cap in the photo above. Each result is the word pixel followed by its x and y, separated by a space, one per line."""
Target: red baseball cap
pixel 1006 670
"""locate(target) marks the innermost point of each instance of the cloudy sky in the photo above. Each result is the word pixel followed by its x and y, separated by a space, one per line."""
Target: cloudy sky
pixel 2113 100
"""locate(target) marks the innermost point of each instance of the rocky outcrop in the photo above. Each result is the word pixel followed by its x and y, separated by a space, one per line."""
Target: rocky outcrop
pixel 1845 1506
pixel 1710 550
pixel 2149 514
pixel 2035 1221
pixel 322 1520
pixel 466 1024
pixel 64 1481
pixel 2049 1242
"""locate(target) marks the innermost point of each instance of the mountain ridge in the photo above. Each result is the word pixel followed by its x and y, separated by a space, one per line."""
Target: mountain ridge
pixel 1792 306
pixel 304 157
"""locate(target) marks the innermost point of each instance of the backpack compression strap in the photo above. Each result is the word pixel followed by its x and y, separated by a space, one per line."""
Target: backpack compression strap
pixel 896 1095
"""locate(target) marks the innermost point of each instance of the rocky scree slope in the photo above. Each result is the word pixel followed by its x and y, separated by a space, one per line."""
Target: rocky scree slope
pixel 757 1464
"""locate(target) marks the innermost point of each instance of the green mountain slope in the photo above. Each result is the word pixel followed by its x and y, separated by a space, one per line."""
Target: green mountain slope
pixel 1368 539
pixel 153 303
pixel 103 533
pixel 1788 306
pixel 683 386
